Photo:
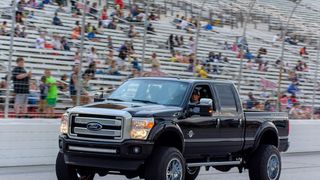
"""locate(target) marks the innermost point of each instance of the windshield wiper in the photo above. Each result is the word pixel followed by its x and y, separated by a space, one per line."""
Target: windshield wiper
pixel 144 101
pixel 115 99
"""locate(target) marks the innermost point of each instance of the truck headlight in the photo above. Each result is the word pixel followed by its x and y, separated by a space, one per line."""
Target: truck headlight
pixel 140 128
pixel 64 124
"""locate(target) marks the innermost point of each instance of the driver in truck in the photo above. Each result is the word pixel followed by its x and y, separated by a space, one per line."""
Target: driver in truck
pixel 195 98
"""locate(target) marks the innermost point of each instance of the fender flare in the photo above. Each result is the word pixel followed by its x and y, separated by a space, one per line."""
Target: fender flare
pixel 265 127
pixel 165 127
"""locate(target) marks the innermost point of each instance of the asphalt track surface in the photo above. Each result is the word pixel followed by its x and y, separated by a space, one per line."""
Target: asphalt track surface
pixel 296 166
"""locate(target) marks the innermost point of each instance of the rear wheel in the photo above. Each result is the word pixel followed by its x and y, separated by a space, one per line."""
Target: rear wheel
pixel 265 164
pixel 192 173
pixel 68 172
pixel 166 163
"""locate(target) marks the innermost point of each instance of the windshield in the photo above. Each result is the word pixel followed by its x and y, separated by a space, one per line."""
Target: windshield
pixel 169 93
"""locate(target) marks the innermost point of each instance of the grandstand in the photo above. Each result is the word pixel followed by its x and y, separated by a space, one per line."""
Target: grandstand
pixel 267 19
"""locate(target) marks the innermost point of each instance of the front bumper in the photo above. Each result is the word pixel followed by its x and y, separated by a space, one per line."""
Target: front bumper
pixel 106 155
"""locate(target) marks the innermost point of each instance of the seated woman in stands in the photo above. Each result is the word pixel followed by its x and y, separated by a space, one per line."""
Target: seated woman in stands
pixel 41 41
pixel 76 31
pixel 56 42
pixel 3 29
pixel 56 20
pixel 19 17
pixel 150 29
pixel 104 13
pixel 113 70
pixel 262 51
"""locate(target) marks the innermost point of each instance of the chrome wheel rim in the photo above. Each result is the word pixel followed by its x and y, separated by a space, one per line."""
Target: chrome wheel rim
pixel 273 167
pixel 174 170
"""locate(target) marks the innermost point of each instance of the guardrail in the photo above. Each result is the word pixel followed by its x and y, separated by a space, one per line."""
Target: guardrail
pixel 25 142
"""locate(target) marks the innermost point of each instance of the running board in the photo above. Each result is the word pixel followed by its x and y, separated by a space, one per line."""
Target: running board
pixel 226 163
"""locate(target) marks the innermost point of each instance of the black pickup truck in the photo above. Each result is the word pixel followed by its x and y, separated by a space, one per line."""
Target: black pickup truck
pixel 166 129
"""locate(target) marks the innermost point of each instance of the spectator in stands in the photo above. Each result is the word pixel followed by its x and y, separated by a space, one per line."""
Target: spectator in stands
pixel 284 102
pixel 134 10
pixel 89 28
pixel 177 20
pixel 60 9
pixel 112 24
pixel 202 73
pixel 21 80
pixel 17 30
pixel 142 17
pixel 93 9
pixel 56 42
pixel 150 29
pixel 226 46
pixel 113 70
pixel 73 84
pixel 120 3
pixel 23 33
pixel 104 13
pixel 109 58
pixel 40 41
pixel 135 64
pixel 249 55
pixel 262 51
pixel 43 87
pixel 192 45
pixel 76 31
pixel 65 44
pixel 110 43
pixel 153 17
pixel 31 15
pixel 21 5
pixel 3 29
pixel 249 64
pixel 62 85
pixel 52 93
pixel 91 71
pixel 293 88
pixel 177 41
pixel 92 56
pixel 170 43
pixel 305 67
pixel 225 59
pixel 250 101
pixel 180 58
pixel 290 40
pixel 234 47
pixel 100 29
pixel 56 20
pixel 154 61
pixel 76 57
pixel 132 32
pixel 299 66
pixel 92 35
pixel 303 51
pixel 293 76
pixel 296 112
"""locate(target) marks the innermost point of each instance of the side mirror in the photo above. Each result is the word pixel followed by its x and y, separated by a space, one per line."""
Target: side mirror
pixel 204 108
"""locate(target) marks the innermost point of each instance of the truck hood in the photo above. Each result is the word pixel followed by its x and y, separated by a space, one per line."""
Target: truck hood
pixel 135 109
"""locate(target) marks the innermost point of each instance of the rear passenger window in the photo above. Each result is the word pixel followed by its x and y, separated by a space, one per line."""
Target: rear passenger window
pixel 227 98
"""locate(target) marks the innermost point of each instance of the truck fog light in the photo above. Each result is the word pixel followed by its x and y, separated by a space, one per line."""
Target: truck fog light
pixel 136 150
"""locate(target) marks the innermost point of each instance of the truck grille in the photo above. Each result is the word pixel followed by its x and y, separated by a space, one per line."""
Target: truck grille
pixel 95 127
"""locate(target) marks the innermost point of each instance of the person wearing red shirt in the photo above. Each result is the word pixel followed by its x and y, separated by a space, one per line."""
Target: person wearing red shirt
pixel 120 3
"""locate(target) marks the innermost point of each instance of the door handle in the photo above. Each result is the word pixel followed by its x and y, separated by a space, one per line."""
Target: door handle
pixel 240 122
pixel 218 123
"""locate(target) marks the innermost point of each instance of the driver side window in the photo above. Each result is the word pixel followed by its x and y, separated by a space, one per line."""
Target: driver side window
pixel 200 92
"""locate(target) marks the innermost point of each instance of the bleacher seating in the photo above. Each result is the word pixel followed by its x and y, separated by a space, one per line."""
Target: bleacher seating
pixel 61 62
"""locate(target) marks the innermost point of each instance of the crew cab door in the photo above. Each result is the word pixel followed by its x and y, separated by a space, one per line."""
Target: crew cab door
pixel 200 132
pixel 231 125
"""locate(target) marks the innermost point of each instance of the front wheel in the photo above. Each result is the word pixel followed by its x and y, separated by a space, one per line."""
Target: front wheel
pixel 68 172
pixel 265 164
pixel 166 163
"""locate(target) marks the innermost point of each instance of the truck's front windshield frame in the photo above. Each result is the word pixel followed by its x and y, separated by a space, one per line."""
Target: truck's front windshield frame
pixel 151 91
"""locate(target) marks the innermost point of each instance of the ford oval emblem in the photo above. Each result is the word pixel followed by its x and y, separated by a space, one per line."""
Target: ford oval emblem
pixel 94 126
